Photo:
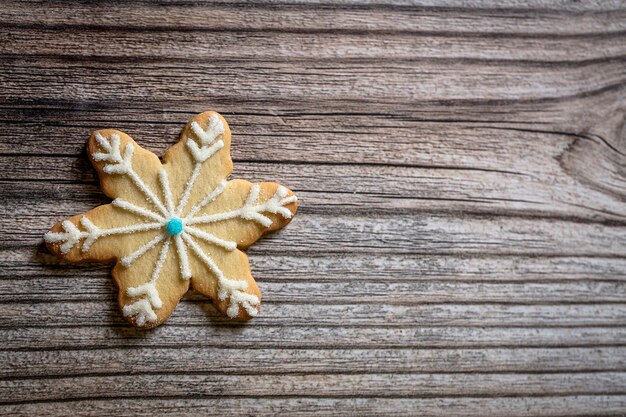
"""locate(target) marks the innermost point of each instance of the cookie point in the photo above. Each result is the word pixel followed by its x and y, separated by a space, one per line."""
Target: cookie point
pixel 174 226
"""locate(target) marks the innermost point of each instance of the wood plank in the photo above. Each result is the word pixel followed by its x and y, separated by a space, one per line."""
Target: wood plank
pixel 581 112
pixel 58 363
pixel 324 137
pixel 358 313
pixel 421 16
pixel 319 81
pixel 24 263
pixel 39 336
pixel 339 289
pixel 578 405
pixel 189 44
pixel 577 115
pixel 402 385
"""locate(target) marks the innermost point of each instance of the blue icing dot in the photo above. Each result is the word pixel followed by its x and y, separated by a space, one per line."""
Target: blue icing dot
pixel 174 226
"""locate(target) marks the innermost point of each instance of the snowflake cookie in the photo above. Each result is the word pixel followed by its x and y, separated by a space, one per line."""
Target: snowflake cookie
pixel 174 223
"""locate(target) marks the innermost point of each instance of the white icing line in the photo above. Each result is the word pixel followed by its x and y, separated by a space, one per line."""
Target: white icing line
pixel 128 260
pixel 183 257
pixel 112 149
pixel 161 261
pixel 215 129
pixel 250 211
pixel 119 164
pixel 142 310
pixel 208 237
pixel 104 144
pixel 202 154
pixel 144 188
pixel 123 164
pixel 227 286
pixel 149 291
pixel 123 204
pixel 130 229
pixel 245 300
pixel 167 192
pixel 212 218
pixel 203 256
pixel 190 182
pixel 69 236
pixel 209 198
pixel 93 232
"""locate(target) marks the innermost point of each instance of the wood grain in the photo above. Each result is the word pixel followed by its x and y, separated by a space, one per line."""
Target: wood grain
pixel 460 248
pixel 582 405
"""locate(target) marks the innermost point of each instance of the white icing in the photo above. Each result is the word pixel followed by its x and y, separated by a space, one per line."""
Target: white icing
pixel 112 152
pixel 123 204
pixel 203 256
pixel 202 154
pixel 141 310
pixel 209 198
pixel 129 229
pixel 93 233
pixel 128 260
pixel 188 186
pixel 144 188
pixel 207 237
pixel 215 128
pixel 167 192
pixel 242 299
pixel 183 258
pixel 123 166
pixel 251 210
pixel 69 236
pixel 146 296
pixel 147 290
pixel 159 265
pixel 229 285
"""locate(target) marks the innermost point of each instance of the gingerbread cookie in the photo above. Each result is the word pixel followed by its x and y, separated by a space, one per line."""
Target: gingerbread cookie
pixel 174 224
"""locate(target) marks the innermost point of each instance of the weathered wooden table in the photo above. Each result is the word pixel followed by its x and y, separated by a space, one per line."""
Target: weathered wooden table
pixel 460 247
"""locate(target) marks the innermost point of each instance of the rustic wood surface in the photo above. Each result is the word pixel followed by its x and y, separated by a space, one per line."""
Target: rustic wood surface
pixel 460 247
